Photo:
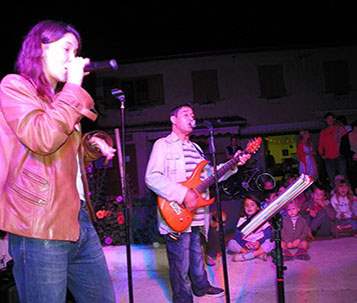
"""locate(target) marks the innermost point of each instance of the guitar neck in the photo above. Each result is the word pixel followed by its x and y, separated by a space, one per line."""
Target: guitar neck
pixel 202 187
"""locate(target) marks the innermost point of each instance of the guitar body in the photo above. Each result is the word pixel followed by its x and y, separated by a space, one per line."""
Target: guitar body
pixel 177 217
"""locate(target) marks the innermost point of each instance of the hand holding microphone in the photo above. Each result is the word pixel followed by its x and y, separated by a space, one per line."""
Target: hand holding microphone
pixel 75 70
pixel 79 67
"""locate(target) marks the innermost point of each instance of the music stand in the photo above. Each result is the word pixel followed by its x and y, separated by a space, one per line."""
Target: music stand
pixel 272 212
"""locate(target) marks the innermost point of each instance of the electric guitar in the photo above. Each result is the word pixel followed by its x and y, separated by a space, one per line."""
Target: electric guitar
pixel 176 215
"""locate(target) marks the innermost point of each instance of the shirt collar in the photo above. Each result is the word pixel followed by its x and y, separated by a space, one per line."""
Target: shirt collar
pixel 173 137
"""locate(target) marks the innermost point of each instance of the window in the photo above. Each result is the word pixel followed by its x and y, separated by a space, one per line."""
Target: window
pixel 271 78
pixel 140 92
pixel 337 78
pixel 205 86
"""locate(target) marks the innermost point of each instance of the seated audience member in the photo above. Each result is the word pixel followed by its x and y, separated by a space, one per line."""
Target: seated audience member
pixel 269 197
pixel 233 147
pixel 294 234
pixel 342 200
pixel 256 244
pixel 319 213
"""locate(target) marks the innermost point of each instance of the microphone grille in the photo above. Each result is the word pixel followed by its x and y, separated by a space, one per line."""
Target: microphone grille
pixel 113 63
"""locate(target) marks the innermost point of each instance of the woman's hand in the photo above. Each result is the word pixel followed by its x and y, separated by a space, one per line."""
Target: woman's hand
pixel 107 151
pixel 75 70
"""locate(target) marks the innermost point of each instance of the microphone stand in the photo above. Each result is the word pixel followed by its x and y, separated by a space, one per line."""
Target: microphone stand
pixel 212 150
pixel 119 95
pixel 277 224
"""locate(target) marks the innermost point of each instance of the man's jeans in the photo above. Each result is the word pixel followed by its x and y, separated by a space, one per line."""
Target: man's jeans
pixel 335 167
pixel 186 262
pixel 43 269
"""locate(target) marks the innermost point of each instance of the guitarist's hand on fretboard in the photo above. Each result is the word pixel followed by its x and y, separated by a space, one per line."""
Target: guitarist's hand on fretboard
pixel 190 200
pixel 243 157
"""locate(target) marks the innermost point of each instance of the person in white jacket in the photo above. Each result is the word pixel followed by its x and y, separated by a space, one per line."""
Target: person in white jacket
pixel 172 161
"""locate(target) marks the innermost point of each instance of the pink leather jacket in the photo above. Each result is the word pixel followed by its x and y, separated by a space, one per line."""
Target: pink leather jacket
pixel 39 145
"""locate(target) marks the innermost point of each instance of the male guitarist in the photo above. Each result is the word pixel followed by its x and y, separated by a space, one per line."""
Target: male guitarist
pixel 172 161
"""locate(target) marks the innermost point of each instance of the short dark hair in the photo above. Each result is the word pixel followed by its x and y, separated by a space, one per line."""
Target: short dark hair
pixel 174 110
pixel 329 114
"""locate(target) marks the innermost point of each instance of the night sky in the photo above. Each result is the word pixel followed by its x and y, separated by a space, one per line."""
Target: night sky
pixel 133 30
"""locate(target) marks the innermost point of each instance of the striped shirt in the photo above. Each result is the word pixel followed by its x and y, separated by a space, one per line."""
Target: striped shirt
pixel 192 158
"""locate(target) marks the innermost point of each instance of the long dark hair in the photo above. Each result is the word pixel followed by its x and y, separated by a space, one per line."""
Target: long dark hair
pixel 29 60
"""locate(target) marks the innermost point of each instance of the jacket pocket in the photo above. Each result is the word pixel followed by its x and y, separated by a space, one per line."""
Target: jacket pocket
pixel 172 164
pixel 31 187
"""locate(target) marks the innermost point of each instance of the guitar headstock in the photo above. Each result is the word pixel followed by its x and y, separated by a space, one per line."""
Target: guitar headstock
pixel 253 145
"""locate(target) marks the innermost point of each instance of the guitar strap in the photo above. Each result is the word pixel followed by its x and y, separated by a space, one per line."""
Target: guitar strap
pixel 200 151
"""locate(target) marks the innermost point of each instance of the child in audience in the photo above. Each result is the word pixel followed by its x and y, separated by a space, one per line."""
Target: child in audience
pixel 319 213
pixel 256 244
pixel 269 197
pixel 294 234
pixel 342 200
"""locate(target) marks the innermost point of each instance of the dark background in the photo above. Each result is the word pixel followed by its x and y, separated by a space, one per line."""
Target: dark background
pixel 134 30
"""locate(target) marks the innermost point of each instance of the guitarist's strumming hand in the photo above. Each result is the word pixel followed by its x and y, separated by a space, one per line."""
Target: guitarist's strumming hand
pixel 243 157
pixel 190 200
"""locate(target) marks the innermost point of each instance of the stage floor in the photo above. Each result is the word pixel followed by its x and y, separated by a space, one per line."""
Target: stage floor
pixel 329 277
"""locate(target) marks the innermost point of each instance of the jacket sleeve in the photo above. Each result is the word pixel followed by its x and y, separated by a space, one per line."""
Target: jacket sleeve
pixel 267 234
pixel 156 178
pixel 238 236
pixel 286 231
pixel 305 229
pixel 42 129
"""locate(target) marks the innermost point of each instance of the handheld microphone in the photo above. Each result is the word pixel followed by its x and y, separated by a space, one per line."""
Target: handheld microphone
pixel 101 66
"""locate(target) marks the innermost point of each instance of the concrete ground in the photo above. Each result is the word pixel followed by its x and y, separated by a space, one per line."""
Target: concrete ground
pixel 329 277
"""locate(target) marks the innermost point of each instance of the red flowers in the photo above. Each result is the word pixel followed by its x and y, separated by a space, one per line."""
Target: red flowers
pixel 101 214
pixel 121 218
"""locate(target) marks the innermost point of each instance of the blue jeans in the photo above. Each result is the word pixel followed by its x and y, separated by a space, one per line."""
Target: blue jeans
pixel 43 269
pixel 186 263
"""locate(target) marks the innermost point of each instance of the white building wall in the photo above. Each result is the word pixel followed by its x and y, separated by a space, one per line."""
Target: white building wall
pixel 239 89
pixel 239 85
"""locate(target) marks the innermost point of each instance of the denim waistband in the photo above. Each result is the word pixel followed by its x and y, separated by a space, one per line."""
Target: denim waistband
pixel 83 204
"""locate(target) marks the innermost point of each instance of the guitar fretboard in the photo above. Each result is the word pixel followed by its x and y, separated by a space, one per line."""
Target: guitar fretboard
pixel 202 187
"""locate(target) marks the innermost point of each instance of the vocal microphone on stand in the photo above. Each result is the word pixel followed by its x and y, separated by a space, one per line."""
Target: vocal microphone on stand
pixel 101 66
pixel 193 123
pixel 205 123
